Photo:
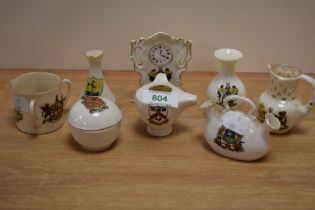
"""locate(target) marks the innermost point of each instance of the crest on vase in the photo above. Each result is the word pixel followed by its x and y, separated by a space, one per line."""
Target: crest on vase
pixel 229 139
pixel 226 90
pixel 93 87
pixel 158 115
pixel 160 53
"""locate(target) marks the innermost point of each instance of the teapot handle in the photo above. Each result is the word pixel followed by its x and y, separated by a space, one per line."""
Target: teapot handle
pixel 242 98
pixel 310 80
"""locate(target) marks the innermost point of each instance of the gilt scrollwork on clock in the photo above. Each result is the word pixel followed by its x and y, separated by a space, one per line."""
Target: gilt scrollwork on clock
pixel 160 53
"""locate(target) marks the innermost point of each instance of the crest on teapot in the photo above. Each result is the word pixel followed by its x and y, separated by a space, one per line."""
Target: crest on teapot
pixel 158 115
pixel 229 139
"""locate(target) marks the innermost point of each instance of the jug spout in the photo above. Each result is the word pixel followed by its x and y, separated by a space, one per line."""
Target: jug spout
pixel 306 108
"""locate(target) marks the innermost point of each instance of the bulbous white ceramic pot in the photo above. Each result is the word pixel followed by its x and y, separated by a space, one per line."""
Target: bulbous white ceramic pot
pixel 281 99
pixel 226 82
pixel 94 122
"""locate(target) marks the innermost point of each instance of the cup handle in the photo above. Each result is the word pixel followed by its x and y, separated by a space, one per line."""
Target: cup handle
pixel 33 114
pixel 69 89
pixel 242 98
pixel 310 80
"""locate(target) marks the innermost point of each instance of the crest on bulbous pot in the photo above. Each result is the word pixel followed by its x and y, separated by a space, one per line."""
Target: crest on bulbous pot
pixel 229 139
pixel 94 104
pixel 160 53
pixel 93 87
pixel 158 115
pixel 226 90
pixel 53 112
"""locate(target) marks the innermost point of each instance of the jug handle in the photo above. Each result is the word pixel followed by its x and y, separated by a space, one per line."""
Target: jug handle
pixel 310 80
pixel 242 98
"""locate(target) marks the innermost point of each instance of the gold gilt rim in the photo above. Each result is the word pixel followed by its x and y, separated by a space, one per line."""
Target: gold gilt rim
pixel 162 88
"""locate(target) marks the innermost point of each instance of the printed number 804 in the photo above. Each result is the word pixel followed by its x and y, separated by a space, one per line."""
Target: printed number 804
pixel 159 98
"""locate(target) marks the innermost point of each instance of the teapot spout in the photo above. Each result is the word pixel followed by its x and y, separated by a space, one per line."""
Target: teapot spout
pixel 188 100
pixel 271 123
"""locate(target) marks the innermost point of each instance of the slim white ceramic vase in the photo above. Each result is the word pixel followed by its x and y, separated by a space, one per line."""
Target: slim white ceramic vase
pixel 95 83
pixel 226 82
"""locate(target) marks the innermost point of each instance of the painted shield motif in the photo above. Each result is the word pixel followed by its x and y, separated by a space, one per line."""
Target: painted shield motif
pixel 224 91
pixel 94 87
pixel 94 104
pixel 228 139
pixel 53 112
pixel 282 116
pixel 158 115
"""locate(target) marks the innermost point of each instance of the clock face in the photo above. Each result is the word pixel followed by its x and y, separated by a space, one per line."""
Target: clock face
pixel 160 54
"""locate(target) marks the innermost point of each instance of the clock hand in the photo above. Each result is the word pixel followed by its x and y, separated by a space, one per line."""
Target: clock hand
pixel 164 56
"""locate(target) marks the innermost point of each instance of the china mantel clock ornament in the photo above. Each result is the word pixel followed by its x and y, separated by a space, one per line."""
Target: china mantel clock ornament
pixel 160 53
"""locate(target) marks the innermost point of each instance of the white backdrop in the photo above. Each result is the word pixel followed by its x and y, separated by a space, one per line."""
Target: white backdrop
pixel 53 34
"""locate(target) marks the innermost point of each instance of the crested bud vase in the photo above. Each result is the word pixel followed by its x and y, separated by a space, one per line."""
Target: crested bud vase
pixel 95 84
pixel 226 82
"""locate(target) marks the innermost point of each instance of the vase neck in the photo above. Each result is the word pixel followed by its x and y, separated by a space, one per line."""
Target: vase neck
pixel 95 69
pixel 227 68
pixel 283 89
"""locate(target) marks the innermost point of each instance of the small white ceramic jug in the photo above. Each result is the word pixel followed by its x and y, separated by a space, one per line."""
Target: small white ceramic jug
pixel 235 134
pixel 281 99
pixel 226 82
pixel 160 119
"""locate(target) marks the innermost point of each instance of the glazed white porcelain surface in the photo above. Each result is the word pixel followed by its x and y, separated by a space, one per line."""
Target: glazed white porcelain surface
pixel 94 122
pixel 226 82
pixel 96 140
pixel 281 98
pixel 92 119
pixel 162 126
pixel 39 101
pixel 160 53
pixel 95 84
pixel 248 146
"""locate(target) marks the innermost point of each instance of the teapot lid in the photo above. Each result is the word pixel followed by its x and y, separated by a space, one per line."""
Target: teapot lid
pixel 160 83
pixel 94 113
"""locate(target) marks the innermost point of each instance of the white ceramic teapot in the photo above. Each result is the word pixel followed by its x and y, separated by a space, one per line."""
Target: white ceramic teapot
pixel 159 119
pixel 235 134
